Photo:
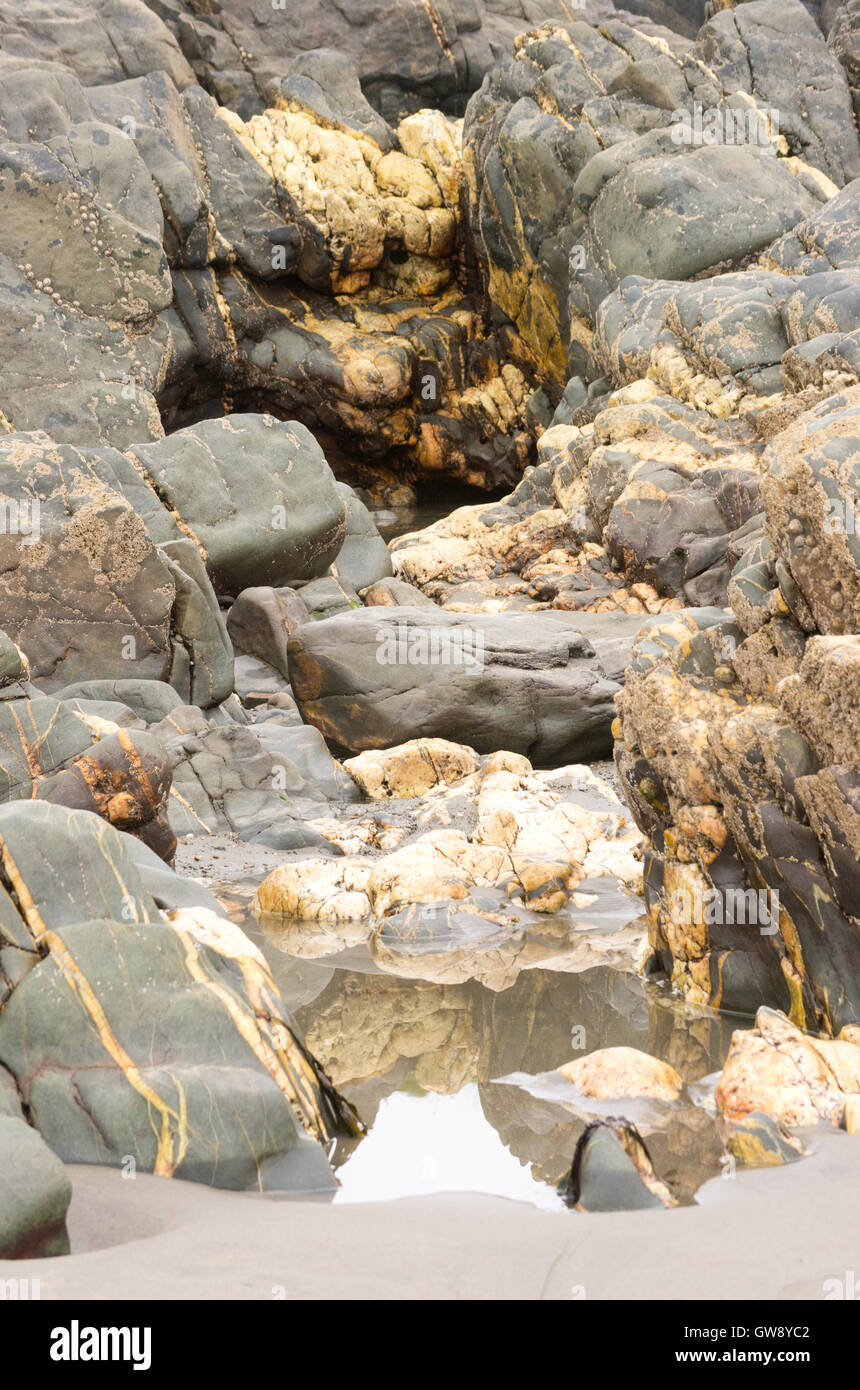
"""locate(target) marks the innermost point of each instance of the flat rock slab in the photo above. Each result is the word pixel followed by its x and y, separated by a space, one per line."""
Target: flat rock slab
pixel 528 683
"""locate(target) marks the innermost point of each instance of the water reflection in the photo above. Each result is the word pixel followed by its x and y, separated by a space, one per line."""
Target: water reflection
pixel 397 1047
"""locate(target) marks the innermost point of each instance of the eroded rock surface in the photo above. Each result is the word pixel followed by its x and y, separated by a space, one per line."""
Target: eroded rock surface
pixel 736 749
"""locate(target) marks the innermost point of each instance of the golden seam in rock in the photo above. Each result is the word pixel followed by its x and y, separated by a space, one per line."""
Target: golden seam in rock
pixel 134 759
pixel 32 918
pixel 165 1163
pixel 436 26
pixel 32 764
pixel 104 831
pixel 281 1071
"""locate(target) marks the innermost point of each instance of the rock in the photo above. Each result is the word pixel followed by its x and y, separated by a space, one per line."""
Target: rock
pixel 323 81
pixel 65 753
pixel 206 1047
pixel 404 57
pixel 649 506
pixel 226 779
pixel 623 1071
pixel 760 1141
pixel 150 701
pixel 842 40
pixel 256 496
pixel 752 815
pixel 326 597
pixel 363 558
pixel 303 748
pixel 412 768
pixel 585 123
pixel 851 1115
pixel 103 41
pixel 256 682
pixel 743 51
pixel 612 1171
pixel 528 684
pixel 400 371
pixel 14 667
pixel 395 593
pixel 720 222
pixel 777 1069
pixel 471 880
pixel 111 600
pixel 171 178
pixel 261 621
pixel 34 1195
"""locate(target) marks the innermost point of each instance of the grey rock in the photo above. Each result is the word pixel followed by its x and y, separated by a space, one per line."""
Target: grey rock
pixel 261 620
pixel 363 558
pixel 527 683
pixel 256 494
pixel 35 1192
pixel 126 1017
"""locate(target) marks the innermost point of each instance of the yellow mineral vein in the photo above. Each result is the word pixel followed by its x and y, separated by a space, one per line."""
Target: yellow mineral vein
pixel 166 1161
pixel 293 1075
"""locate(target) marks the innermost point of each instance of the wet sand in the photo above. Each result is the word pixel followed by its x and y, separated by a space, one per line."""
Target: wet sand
pixel 788 1231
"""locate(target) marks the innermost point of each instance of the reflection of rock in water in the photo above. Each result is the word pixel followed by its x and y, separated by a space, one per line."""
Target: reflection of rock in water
pixel 536 1026
pixel 530 1028
pixel 695 1041
pixel 366 1026
pixel 377 1034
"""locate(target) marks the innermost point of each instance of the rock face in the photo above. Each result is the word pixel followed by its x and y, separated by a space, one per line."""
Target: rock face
pixel 588 163
pixel 132 1034
pixel 241 52
pixel 367 678
pixel 737 747
pixel 184 264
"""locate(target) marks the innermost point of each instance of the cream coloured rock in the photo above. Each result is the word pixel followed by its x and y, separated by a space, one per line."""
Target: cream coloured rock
pixel 623 1071
pixel 322 890
pixel 357 836
pixel 436 142
pixel 440 865
pixel 412 768
pixel 784 1072
pixel 362 202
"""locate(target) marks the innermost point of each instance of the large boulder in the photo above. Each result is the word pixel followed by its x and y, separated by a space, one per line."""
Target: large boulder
pixel 378 676
pixel 135 1036
pixel 777 1070
pixel 86 590
pixel 256 495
